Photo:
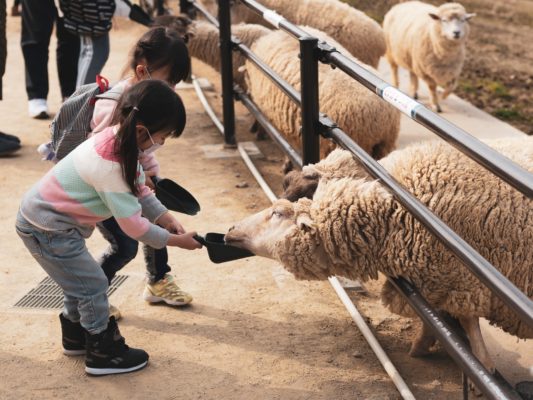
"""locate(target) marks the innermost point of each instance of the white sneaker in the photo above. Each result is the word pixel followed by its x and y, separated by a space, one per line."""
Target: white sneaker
pixel 38 109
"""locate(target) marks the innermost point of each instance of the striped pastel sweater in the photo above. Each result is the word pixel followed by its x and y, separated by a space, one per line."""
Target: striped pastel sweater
pixel 87 187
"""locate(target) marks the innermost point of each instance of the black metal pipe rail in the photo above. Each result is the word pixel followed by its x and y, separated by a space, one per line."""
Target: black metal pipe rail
pixel 454 344
pixel 291 93
pixel 226 72
pixel 496 163
pixel 269 128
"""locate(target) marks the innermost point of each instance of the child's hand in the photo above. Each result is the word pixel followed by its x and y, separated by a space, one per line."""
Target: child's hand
pixel 170 223
pixel 185 241
pixel 148 176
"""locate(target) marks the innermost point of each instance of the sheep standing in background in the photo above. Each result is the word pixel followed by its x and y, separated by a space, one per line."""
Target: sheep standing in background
pixel 355 228
pixel 429 42
pixel 353 29
pixel 365 117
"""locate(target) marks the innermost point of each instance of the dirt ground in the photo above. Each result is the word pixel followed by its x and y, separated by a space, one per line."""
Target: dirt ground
pixel 252 331
pixel 498 73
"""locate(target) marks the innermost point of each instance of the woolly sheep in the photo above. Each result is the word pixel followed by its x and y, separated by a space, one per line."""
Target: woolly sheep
pixel 366 118
pixel 203 41
pixel 353 29
pixel 429 42
pixel 355 228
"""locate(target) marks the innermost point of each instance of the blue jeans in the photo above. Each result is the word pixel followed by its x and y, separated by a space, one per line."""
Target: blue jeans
pixel 64 256
pixel 123 249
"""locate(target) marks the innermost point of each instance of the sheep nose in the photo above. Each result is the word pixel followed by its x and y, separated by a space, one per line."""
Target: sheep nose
pixel 232 228
pixel 456 34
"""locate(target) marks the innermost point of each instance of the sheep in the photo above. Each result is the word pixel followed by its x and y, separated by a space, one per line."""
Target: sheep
pixel 369 120
pixel 357 32
pixel 203 40
pixel 429 42
pixel 355 228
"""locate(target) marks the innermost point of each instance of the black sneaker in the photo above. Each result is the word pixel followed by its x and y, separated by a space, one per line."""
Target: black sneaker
pixel 8 147
pixel 73 337
pixel 108 353
pixel 7 136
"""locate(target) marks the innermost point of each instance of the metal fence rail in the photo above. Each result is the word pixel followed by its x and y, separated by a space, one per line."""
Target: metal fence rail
pixel 311 52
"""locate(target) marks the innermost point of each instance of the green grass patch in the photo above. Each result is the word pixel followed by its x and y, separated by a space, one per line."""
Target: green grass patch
pixel 508 114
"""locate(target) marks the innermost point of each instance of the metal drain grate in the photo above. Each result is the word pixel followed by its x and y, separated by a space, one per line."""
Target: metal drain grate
pixel 50 296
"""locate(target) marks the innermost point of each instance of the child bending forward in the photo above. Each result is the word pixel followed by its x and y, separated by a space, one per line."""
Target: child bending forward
pixel 102 178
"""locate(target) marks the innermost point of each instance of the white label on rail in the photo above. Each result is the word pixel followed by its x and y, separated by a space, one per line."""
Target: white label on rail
pixel 273 17
pixel 400 100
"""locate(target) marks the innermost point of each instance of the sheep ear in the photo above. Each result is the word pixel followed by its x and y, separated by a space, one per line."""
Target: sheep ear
pixel 470 16
pixel 434 16
pixel 305 223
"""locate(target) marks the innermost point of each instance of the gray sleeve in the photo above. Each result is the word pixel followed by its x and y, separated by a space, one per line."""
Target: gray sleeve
pixel 152 208
pixel 155 237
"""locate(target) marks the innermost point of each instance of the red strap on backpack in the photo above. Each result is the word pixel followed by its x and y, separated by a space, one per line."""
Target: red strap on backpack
pixel 103 83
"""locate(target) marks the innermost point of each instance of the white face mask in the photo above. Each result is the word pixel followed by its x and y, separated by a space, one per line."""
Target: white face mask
pixel 152 148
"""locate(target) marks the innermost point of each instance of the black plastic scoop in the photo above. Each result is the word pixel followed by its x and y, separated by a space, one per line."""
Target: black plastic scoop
pixel 219 251
pixel 174 197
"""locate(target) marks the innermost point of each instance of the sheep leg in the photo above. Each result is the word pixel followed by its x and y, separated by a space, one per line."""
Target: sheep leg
pixel 434 98
pixel 448 90
pixel 422 343
pixel 414 85
pixel 473 331
pixel 394 70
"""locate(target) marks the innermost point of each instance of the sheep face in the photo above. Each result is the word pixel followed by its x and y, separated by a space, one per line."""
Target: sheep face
pixel 453 21
pixel 260 232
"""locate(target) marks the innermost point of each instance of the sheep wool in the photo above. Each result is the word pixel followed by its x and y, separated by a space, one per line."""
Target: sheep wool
pixel 204 45
pixel 366 118
pixel 421 44
pixel 358 229
pixel 357 32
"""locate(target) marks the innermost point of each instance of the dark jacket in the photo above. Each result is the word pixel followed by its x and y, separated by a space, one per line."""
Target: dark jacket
pixel 88 17
pixel 3 42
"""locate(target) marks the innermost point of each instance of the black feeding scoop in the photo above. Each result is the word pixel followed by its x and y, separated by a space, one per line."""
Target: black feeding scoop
pixel 174 197
pixel 219 251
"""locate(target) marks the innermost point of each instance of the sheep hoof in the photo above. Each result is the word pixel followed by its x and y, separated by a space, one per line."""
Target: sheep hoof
pixel 436 108
pixel 254 128
pixel 419 351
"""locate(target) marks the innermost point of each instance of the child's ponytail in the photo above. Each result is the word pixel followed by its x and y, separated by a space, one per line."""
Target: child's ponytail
pixel 128 149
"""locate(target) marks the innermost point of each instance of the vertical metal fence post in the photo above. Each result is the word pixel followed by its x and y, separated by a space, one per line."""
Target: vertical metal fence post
pixel 226 69
pixel 160 7
pixel 309 96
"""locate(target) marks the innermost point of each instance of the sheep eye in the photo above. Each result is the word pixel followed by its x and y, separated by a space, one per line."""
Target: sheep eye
pixel 276 214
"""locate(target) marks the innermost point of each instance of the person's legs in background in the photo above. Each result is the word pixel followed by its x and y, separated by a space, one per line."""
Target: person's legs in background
pixel 67 54
pixel 161 286
pixel 94 52
pixel 37 22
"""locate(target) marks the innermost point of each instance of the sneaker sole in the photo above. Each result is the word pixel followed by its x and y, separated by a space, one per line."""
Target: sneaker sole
pixel 155 299
pixel 72 353
pixel 112 371
pixel 41 115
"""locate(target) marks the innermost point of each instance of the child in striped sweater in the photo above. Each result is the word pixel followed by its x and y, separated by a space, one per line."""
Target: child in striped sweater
pixel 102 178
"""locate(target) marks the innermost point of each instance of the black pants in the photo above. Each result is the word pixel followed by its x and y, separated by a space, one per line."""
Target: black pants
pixel 123 249
pixel 38 17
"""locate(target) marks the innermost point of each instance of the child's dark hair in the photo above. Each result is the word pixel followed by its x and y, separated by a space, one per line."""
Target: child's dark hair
pixel 153 104
pixel 161 47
